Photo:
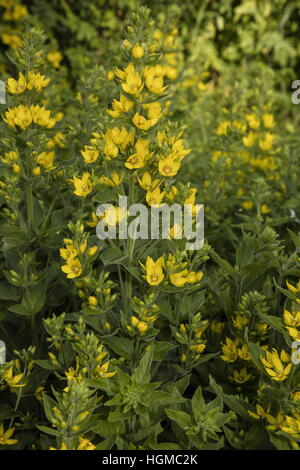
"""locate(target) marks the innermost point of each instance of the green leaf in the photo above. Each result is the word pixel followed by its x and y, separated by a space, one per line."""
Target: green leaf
pixel 142 372
pixel 180 417
pixel 243 254
pixel 8 292
pixel 108 429
pixel 198 404
pixel 222 262
pixel 112 256
pixel 275 322
pixel 49 403
pixel 205 358
pixel 190 304
pixel 6 412
pixel 143 433
pixel 160 349
pixel 256 354
pixel 105 196
pixel 13 237
pixel 34 298
pixel 279 442
pixel 20 309
pixel 46 364
pixel 48 430
pixel 166 446
pixel 121 346
pixel 107 444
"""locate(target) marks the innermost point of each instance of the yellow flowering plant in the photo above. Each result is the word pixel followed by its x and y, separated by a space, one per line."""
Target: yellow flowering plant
pixel 137 342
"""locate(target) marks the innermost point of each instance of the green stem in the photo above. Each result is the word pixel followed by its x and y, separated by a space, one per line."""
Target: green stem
pixel 19 396
pixel 130 247
pixel 29 201
pixel 289 381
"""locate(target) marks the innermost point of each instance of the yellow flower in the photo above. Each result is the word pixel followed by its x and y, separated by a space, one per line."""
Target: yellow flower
pixel 197 348
pixel 15 13
pixel 94 221
pixel 110 149
pixel 111 75
pixel 11 40
pixel 179 279
pixel 154 197
pixel 168 167
pixel 36 81
pixel 46 160
pixel 274 366
pixel 93 250
pixel 153 110
pixel 241 126
pixel 291 425
pixel 142 123
pixel 267 141
pixel 39 393
pixel 137 51
pixel 260 413
pixel 82 186
pixel 268 120
pixel 142 326
pixel 176 232
pixel 275 422
pixel 92 300
pixel 85 444
pixel 119 107
pixel 241 376
pixel 178 150
pixel 62 447
pixel 243 352
pixel 154 80
pixel 250 139
pixel 248 205
pixel 10 157
pixel 36 171
pixel 89 155
pixel 253 121
pixel 154 271
pixel 291 318
pixel 55 58
pixel 16 168
pixel 102 371
pixel 146 182
pixel 5 437
pixel 57 140
pixel 223 128
pixel 19 116
pixel 135 161
pixel 16 87
pixel 217 327
pixel 239 322
pixel 230 351
pixel 264 209
pixel 171 73
pixel 116 135
pixel 133 83
pixel 191 195
pixel 291 288
pixel 41 116
pixel 113 181
pixel 11 380
pixel 73 268
pixel 114 215
pixel 70 251
pixel 294 333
